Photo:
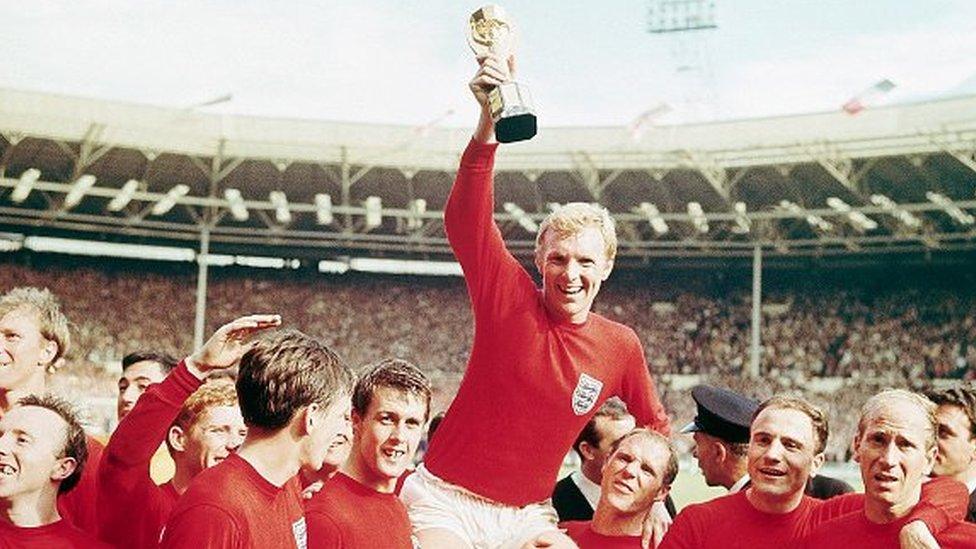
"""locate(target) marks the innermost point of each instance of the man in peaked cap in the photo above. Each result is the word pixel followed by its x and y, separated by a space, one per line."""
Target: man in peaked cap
pixel 721 431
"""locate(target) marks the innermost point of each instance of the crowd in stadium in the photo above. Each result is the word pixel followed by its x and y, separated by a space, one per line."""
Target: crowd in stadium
pixel 276 440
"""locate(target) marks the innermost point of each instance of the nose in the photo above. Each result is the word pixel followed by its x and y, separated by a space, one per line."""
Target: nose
pixel 694 451
pixel 774 453
pixel 130 394
pixel 573 269
pixel 889 456
pixel 234 441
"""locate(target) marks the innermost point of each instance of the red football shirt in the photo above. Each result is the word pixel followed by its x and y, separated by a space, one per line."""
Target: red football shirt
pixel 231 506
pixel 855 530
pixel 586 538
pixel 60 534
pixel 348 515
pixel 532 382
pixel 79 506
pixel 132 509
pixel 732 522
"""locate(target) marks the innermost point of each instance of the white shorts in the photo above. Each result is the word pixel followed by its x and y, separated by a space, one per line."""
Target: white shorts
pixel 483 523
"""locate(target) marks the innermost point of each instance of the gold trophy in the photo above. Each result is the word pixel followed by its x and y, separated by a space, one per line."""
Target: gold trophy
pixel 491 31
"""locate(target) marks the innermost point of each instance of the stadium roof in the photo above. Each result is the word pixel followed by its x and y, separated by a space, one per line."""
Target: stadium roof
pixel 887 179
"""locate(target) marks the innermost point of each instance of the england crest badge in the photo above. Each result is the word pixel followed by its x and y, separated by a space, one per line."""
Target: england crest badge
pixel 586 393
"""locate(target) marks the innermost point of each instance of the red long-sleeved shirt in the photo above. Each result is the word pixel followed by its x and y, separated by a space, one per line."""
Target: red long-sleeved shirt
pixel 79 506
pixel 731 522
pixel 532 382
pixel 132 509
pixel 60 534
pixel 348 515
pixel 582 533
pixel 231 506
pixel 855 530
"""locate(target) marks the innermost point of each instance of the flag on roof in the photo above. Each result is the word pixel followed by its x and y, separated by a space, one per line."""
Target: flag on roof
pixel 867 97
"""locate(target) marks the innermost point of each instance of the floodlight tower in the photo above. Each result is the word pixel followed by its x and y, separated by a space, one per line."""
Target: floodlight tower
pixel 686 26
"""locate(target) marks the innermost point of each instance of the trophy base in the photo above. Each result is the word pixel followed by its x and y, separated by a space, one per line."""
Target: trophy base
pixel 511 109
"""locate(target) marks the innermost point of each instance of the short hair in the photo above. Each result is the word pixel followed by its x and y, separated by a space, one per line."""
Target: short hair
pixel 569 219
pixel 213 393
pixel 963 397
pixel 52 322
pixel 392 373
pixel 75 444
pixel 821 428
pixel 613 409
pixel 284 372
pixel 738 449
pixel 888 397
pixel 166 361
pixel 671 469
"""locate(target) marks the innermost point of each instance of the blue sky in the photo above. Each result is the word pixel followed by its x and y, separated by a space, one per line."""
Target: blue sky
pixel 587 63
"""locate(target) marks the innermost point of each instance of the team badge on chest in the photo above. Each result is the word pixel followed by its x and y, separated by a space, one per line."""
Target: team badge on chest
pixel 586 393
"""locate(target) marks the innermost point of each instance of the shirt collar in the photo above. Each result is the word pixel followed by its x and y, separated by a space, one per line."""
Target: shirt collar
pixel 589 489
pixel 739 484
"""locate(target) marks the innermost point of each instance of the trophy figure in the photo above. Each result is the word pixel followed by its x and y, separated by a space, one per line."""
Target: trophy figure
pixel 492 32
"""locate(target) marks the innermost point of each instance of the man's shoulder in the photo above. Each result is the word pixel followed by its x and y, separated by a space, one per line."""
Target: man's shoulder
pixel 575 527
pixel 565 484
pixel 960 534
pixel 221 486
pixel 614 332
pixel 722 505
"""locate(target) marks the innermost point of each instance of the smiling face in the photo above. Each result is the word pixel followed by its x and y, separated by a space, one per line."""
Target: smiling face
pixel 134 381
pixel 387 436
pixel 24 351
pixel 782 454
pixel 32 441
pixel 573 267
pixel 895 454
pixel 634 475
pixel 218 432
pixel 325 427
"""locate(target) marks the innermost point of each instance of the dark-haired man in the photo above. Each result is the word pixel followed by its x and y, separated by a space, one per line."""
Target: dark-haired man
pixel 139 371
pixel 576 495
pixel 294 396
pixel 956 414
pixel 390 405
pixel 42 454
pixel 34 339
pixel 639 472
pixel 201 424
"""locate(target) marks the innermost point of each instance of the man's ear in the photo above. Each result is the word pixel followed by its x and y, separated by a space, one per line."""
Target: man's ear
pixel 48 354
pixel 818 461
pixel 587 451
pixel 608 270
pixel 856 449
pixel 177 438
pixel 310 419
pixel 930 458
pixel 662 493
pixel 63 468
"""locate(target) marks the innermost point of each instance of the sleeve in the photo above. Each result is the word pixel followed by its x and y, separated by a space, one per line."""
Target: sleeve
pixel 638 391
pixel 495 279
pixel 944 502
pixel 835 507
pixel 683 533
pixel 323 532
pixel 201 527
pixel 124 479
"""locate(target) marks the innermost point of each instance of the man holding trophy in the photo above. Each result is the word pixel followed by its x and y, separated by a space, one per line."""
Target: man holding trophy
pixel 542 363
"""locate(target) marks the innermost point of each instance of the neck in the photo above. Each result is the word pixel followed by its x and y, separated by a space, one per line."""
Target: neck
pixel 32 510
pixel 591 471
pixel 36 385
pixel 968 475
pixel 276 456
pixel 182 475
pixel 773 504
pixel 361 473
pixel 883 512
pixel 735 475
pixel 612 522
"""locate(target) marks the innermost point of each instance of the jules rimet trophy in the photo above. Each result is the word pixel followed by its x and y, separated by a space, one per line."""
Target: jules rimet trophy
pixel 491 31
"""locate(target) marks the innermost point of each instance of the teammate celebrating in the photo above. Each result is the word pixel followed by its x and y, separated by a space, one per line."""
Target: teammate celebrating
pixel 294 396
pixel 390 405
pixel 139 371
pixel 541 365
pixel 638 473
pixel 42 455
pixel 202 425
pixel 34 338
pixel 956 459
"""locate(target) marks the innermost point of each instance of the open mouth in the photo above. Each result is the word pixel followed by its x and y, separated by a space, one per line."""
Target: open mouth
pixel 394 453
pixel 770 472
pixel 7 470
pixel 624 487
pixel 571 290
pixel 885 478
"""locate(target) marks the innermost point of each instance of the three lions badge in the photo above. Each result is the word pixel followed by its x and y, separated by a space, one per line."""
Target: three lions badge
pixel 586 394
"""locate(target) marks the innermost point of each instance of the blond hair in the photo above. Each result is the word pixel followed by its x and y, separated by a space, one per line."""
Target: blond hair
pixel 570 219
pixel 888 398
pixel 51 321
pixel 213 393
